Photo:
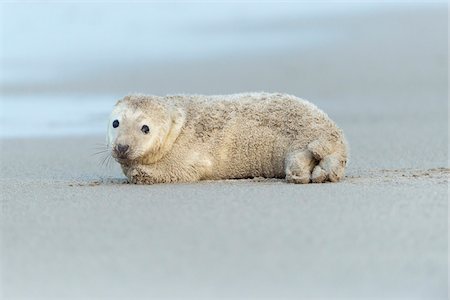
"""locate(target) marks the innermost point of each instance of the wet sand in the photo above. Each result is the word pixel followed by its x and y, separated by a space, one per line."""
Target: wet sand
pixel 72 228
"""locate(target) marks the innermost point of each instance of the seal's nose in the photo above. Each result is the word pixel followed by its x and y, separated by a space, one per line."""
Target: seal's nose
pixel 122 149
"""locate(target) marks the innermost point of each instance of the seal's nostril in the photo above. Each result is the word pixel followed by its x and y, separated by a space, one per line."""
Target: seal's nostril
pixel 122 148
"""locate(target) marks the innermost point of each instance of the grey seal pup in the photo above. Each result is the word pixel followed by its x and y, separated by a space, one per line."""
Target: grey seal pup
pixel 187 138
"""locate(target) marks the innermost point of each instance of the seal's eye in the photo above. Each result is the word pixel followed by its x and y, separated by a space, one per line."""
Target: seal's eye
pixel 115 123
pixel 145 129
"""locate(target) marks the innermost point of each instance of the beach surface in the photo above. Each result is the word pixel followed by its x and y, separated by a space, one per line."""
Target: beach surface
pixel 72 228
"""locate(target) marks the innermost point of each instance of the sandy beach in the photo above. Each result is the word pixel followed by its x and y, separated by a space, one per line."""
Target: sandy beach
pixel 73 229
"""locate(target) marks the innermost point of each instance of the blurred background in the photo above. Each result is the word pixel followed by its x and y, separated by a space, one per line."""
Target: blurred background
pixel 63 65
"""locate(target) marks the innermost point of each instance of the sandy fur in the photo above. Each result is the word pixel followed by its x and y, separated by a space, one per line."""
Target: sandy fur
pixel 196 137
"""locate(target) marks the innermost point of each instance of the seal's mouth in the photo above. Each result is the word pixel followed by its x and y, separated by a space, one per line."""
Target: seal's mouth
pixel 120 157
pixel 124 159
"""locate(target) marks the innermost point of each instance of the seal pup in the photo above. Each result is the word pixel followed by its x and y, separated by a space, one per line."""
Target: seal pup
pixel 186 138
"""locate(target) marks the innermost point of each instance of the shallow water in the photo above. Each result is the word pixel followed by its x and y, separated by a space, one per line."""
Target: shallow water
pixel 40 116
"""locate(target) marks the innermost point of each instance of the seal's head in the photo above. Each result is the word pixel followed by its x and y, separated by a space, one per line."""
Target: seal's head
pixel 143 128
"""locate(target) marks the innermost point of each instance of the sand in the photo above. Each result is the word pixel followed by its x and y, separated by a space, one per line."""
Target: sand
pixel 72 228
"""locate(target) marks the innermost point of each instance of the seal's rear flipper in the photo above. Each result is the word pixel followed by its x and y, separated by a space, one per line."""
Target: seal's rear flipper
pixel 330 168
